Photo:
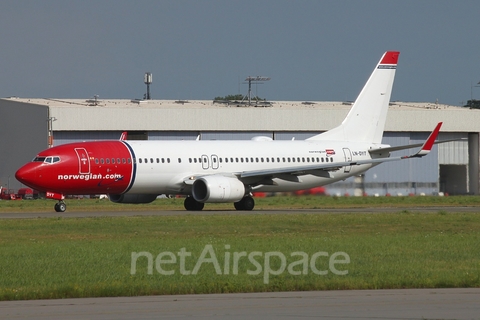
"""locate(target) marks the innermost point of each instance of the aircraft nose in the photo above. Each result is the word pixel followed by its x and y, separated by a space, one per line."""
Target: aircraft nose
pixel 27 175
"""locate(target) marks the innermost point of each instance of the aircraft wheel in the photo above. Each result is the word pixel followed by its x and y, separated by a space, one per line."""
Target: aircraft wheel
pixel 60 207
pixel 246 204
pixel 193 205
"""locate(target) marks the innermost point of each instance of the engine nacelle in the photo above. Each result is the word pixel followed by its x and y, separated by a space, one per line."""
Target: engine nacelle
pixel 132 198
pixel 218 189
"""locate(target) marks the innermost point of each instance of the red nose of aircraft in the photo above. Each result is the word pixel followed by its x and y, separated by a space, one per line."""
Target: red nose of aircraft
pixel 28 176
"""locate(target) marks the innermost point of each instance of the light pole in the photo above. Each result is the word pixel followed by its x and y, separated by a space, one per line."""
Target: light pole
pixel 147 79
pixel 50 131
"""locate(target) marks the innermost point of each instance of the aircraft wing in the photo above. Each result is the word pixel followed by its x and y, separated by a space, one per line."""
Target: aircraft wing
pixel 324 168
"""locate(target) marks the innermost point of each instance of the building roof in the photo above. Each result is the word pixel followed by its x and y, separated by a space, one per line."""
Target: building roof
pixel 207 115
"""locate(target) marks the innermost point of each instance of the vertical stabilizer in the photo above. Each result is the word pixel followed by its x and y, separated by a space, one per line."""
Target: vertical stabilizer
pixel 366 120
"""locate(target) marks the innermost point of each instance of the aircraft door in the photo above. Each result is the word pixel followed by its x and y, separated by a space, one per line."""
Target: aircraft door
pixel 348 158
pixel 83 161
pixel 205 164
pixel 214 161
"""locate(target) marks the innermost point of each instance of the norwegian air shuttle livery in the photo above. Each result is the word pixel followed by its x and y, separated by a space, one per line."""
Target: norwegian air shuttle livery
pixel 224 171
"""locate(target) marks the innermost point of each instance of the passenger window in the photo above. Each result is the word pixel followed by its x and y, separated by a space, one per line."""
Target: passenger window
pixel 168 160
pixel 118 160
pixel 102 161
pixel 107 161
pixel 151 160
pixel 139 160
pixel 96 160
pixel 124 161
pixel 129 160
pixel 179 160
pixel 113 160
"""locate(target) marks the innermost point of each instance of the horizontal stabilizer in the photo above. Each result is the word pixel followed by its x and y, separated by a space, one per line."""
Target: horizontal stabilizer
pixel 425 147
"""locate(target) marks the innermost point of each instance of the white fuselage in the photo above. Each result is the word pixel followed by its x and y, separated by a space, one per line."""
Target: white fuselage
pixel 162 167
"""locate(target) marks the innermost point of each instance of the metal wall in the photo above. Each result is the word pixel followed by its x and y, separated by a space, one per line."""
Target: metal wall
pixel 24 133
pixel 229 135
pixel 173 135
pixel 63 137
pixel 400 177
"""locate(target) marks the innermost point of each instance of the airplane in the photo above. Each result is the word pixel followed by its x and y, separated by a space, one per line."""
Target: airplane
pixel 224 171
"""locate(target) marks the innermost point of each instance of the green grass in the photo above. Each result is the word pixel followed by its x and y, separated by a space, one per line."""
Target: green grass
pixel 269 203
pixel 90 257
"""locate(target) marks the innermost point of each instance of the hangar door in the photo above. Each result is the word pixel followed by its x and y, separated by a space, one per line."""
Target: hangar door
pixel 453 164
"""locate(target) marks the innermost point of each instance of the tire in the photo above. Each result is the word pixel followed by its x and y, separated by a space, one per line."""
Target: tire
pixel 193 205
pixel 246 204
pixel 60 207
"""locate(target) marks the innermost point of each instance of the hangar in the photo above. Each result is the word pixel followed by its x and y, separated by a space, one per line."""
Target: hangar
pixel 31 125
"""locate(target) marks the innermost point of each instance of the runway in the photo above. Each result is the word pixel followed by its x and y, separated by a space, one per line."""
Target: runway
pixel 357 304
pixel 83 214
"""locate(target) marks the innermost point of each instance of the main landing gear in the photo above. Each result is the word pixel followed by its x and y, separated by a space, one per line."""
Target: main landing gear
pixel 60 206
pixel 193 205
pixel 246 204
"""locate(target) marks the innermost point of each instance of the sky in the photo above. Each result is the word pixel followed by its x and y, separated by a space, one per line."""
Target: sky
pixel 201 49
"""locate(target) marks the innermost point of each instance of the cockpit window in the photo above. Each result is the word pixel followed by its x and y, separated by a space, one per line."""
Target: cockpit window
pixel 39 159
pixel 53 159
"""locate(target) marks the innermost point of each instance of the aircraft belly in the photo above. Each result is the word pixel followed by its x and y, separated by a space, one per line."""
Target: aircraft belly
pixel 311 181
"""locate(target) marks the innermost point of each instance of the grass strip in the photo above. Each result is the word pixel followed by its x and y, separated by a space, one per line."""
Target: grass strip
pixel 92 257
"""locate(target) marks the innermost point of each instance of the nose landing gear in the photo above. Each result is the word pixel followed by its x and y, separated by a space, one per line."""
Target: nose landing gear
pixel 60 206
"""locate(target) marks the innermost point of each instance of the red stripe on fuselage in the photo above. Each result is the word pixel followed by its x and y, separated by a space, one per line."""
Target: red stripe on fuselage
pixel 96 167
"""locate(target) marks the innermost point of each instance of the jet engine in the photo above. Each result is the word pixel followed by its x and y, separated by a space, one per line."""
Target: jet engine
pixel 132 198
pixel 217 188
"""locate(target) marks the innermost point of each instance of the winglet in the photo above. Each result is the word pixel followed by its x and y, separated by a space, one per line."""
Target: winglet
pixel 123 136
pixel 427 146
